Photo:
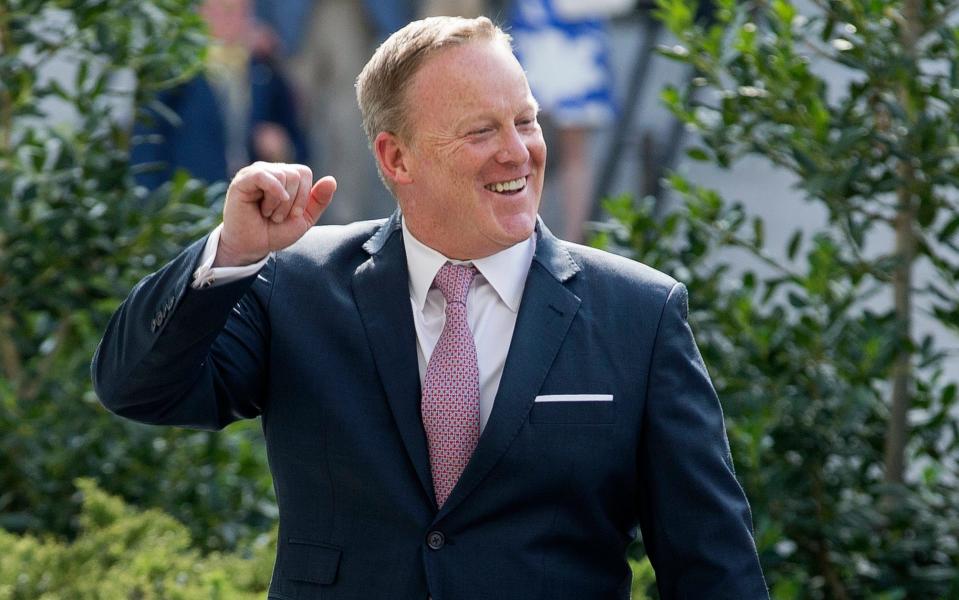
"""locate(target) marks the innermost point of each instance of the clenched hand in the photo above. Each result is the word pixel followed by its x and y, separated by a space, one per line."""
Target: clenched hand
pixel 268 207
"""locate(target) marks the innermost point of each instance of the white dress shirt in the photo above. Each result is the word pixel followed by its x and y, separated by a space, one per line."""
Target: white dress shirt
pixel 206 275
pixel 491 306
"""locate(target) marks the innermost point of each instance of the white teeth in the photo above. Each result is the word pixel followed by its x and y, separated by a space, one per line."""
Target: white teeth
pixel 508 186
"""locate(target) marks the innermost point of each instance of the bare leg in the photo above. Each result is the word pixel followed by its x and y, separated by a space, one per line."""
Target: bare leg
pixel 576 179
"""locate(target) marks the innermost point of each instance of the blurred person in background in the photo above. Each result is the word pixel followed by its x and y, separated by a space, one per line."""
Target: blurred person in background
pixel 240 109
pixel 289 19
pixel 340 34
pixel 564 47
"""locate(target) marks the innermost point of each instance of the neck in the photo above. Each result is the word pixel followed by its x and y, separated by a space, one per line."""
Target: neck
pixel 454 249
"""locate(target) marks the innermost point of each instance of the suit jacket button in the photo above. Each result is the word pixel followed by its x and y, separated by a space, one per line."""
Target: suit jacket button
pixel 435 540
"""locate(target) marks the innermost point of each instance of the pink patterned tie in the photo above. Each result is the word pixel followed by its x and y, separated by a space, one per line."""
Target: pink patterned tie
pixel 450 404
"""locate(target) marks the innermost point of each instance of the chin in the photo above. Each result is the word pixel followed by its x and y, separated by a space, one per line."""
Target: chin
pixel 517 228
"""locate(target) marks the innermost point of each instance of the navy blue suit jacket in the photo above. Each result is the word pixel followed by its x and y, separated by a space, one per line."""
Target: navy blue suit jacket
pixel 321 345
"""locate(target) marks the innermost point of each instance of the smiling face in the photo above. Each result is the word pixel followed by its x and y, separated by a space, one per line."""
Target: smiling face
pixel 470 177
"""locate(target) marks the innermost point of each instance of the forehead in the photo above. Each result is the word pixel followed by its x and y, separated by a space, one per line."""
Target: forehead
pixel 473 77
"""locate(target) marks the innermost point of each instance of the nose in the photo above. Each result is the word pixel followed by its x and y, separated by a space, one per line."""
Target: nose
pixel 513 148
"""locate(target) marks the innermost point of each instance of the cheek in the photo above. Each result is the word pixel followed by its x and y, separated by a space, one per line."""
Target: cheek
pixel 537 151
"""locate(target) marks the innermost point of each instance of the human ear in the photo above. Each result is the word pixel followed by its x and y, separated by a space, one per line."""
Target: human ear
pixel 393 157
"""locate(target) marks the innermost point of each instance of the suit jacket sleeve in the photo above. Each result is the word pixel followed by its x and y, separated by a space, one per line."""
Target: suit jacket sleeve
pixel 175 355
pixel 695 519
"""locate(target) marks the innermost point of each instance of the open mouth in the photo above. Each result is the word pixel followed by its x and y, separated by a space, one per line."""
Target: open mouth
pixel 508 187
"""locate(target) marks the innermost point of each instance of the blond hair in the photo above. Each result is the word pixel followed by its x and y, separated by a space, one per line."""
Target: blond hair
pixel 381 85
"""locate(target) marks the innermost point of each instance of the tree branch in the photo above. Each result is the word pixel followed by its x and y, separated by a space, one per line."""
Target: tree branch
pixel 897 434
pixel 9 355
pixel 42 372
pixel 6 100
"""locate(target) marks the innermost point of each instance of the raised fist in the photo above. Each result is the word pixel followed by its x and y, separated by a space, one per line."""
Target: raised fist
pixel 268 207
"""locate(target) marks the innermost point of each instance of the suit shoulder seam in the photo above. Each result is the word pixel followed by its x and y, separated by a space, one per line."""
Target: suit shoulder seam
pixel 652 354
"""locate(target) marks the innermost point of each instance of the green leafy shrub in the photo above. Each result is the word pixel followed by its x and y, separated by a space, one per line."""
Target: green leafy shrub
pixel 75 234
pixel 801 377
pixel 121 552
pixel 841 418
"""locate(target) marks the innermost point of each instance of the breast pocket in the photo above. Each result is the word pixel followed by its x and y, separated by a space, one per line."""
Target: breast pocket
pixel 583 409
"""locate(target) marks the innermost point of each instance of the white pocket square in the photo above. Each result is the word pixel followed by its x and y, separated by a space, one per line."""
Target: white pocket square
pixel 575 398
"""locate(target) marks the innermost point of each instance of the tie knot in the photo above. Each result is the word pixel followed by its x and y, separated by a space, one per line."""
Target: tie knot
pixel 454 281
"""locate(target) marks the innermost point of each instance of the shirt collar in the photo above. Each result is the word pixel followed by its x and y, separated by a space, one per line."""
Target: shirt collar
pixel 505 271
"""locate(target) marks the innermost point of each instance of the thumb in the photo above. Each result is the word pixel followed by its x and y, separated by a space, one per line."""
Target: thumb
pixel 320 196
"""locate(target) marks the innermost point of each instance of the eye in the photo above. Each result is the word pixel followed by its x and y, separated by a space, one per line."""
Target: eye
pixel 481 131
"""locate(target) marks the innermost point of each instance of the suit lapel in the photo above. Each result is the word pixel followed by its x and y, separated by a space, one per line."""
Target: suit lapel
pixel 381 291
pixel 545 314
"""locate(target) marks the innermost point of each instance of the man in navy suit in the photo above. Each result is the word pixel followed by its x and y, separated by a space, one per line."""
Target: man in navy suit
pixel 569 403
